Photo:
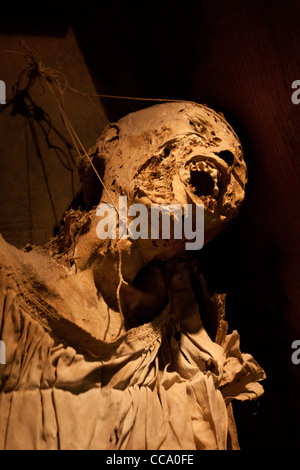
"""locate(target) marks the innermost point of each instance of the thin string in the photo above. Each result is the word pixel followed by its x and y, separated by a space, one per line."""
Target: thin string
pixel 36 68
pixel 121 281
pixel 108 323
pixel 34 62
pixel 74 136
pixel 58 78
pixel 28 180
pixel 121 97
pixel 52 76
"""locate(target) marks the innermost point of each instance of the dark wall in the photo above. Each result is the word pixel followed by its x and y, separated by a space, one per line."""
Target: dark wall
pixel 38 174
pixel 239 57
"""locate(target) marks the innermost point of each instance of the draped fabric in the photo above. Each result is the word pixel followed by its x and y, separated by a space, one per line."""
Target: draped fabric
pixel 160 387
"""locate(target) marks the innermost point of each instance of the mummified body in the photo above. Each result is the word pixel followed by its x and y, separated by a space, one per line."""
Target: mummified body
pixel 116 344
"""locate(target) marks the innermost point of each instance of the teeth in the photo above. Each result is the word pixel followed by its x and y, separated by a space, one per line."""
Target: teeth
pixel 206 168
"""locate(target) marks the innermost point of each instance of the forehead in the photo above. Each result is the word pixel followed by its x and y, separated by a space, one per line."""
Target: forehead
pixel 168 120
pixel 141 133
pixel 173 116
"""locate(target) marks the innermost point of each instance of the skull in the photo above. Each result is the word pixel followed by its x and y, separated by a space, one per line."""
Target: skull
pixel 171 153
pixel 176 152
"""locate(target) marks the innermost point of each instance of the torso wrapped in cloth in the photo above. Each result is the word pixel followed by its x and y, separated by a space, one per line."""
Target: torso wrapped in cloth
pixel 156 387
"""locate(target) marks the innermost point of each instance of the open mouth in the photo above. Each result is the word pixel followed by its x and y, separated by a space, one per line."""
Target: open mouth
pixel 204 178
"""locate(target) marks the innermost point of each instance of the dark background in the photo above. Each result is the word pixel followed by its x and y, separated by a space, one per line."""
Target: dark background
pixel 239 57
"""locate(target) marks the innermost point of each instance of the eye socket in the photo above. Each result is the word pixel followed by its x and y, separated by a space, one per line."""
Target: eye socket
pixel 227 156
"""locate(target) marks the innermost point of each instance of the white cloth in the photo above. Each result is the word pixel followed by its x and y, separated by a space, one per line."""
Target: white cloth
pixel 155 388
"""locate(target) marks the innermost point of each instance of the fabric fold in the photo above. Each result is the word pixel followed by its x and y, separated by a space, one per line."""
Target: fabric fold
pixel 158 390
